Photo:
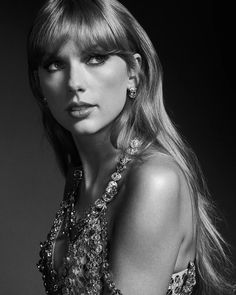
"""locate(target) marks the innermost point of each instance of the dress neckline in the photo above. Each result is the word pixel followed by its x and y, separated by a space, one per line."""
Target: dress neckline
pixel 88 243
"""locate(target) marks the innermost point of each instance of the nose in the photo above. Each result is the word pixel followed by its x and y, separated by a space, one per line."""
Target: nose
pixel 76 78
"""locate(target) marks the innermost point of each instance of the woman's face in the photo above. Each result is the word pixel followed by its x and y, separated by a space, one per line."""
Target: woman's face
pixel 85 93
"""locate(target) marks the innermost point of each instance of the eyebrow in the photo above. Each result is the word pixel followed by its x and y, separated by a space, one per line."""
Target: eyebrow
pixel 47 57
pixel 94 49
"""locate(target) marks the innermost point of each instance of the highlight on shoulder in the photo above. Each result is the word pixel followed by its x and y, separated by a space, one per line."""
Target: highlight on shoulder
pixel 158 185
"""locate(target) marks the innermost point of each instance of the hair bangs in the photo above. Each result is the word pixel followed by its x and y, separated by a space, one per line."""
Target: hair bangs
pixel 87 26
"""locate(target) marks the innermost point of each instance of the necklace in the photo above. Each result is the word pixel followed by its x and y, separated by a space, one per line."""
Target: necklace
pixel 112 186
pixel 85 266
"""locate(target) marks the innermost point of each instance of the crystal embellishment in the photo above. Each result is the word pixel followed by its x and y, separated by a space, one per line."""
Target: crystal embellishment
pixel 85 270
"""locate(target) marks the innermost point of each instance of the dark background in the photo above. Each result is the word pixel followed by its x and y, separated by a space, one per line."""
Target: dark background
pixel 194 40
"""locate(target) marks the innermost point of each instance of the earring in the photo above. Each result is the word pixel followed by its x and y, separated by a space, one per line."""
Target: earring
pixel 44 101
pixel 132 92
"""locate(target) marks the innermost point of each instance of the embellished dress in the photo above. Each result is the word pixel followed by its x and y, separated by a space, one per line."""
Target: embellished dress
pixel 85 267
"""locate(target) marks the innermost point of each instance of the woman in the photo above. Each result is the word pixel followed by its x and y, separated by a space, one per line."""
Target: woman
pixel 136 217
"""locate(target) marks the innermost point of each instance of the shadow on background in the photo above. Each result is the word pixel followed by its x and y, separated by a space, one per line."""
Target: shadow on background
pixel 194 44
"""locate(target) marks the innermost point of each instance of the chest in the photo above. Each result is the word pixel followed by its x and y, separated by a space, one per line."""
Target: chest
pixel 92 232
pixel 78 262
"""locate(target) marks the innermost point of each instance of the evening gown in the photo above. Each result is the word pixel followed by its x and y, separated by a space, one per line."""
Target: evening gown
pixel 85 268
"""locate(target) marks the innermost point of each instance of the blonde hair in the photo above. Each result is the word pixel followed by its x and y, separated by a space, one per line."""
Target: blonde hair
pixel 109 25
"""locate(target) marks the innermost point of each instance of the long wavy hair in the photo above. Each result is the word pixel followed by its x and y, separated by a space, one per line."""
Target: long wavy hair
pixel 108 24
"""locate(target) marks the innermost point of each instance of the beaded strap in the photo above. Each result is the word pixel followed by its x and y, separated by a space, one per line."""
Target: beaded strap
pixel 45 264
pixel 86 269
pixel 66 213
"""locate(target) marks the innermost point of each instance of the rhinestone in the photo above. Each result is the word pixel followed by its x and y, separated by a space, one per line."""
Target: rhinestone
pixel 177 290
pixel 124 160
pixel 97 237
pixel 111 285
pixel 135 143
pixel 68 259
pixel 107 276
pixel 107 198
pixel 100 204
pixel 111 190
pixel 112 184
pixel 78 173
pixel 99 248
pixel 120 167
pixel 177 279
pixel 105 265
pixel 99 261
pixel 96 226
pixel 192 281
pixel 63 203
pixel 83 260
pixel 53 272
pixel 116 176
pixel 132 151
pixel 186 289
pixel 75 271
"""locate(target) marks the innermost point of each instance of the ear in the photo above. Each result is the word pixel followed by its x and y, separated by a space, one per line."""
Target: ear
pixel 134 71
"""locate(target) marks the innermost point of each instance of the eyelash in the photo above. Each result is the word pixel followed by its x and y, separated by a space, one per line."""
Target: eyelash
pixel 58 66
pixel 100 59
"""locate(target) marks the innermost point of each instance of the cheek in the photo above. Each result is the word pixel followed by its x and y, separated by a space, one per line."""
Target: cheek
pixel 51 84
pixel 113 86
pixel 52 88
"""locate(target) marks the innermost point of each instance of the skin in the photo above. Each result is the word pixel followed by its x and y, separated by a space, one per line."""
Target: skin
pixel 153 232
pixel 73 77
pixel 150 223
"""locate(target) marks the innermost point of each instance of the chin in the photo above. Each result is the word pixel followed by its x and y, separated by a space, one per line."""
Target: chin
pixel 87 128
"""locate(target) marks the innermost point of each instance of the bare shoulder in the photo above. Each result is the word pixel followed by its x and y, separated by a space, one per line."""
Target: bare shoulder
pixel 156 179
pixel 152 224
pixel 157 198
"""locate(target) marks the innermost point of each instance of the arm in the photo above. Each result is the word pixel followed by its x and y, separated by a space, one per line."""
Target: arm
pixel 148 231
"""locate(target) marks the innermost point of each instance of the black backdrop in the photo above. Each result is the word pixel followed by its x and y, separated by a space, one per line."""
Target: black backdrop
pixel 194 40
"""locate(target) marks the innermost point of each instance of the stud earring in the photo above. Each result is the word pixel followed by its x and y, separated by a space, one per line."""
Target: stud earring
pixel 44 101
pixel 132 92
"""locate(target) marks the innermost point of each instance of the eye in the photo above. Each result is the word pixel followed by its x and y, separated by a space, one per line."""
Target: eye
pixel 53 66
pixel 97 59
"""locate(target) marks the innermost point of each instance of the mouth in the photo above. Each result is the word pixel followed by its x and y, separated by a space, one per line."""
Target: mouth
pixel 80 110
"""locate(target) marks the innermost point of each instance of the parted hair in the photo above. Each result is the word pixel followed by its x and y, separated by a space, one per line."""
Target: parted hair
pixel 109 25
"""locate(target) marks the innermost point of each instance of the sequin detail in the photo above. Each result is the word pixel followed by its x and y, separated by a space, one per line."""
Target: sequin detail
pixel 85 269
pixel 182 283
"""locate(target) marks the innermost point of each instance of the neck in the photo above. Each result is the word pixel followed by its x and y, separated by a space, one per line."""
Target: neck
pixel 97 155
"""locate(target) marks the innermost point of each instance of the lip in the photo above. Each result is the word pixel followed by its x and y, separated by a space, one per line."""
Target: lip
pixel 80 110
